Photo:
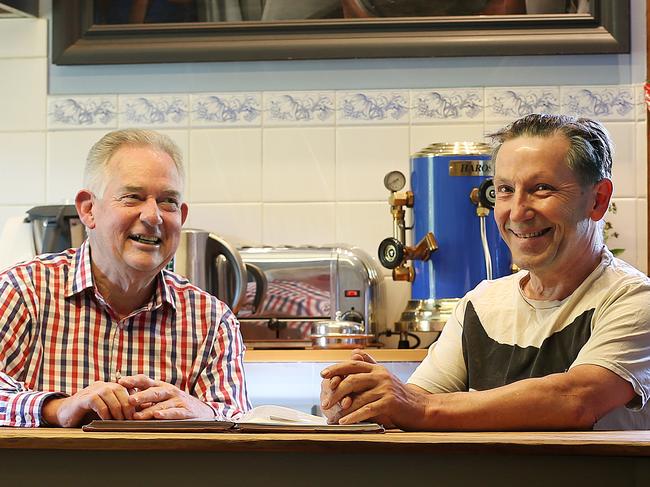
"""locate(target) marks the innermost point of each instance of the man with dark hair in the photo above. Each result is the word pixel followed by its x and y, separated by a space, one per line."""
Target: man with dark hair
pixel 562 344
pixel 105 330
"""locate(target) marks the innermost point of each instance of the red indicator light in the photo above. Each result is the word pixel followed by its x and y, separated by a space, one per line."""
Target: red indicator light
pixel 352 293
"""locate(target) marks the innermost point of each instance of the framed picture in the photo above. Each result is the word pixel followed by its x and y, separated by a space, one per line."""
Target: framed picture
pixel 78 37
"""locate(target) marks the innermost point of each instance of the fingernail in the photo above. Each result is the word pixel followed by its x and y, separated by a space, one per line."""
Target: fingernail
pixel 324 372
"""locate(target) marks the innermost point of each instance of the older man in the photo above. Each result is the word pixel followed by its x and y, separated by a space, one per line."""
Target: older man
pixel 563 344
pixel 105 330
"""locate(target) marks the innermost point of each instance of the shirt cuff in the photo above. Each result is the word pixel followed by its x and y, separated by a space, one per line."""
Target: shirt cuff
pixel 24 408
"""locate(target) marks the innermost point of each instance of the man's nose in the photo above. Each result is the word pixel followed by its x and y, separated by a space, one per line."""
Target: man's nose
pixel 521 208
pixel 150 213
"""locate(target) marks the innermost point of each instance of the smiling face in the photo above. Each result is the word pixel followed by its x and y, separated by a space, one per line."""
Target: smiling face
pixel 546 217
pixel 134 226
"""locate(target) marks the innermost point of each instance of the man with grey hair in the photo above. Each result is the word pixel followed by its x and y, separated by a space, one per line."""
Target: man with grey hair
pixel 105 330
pixel 562 344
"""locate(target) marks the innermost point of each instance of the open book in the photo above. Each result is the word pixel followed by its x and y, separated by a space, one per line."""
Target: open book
pixel 271 419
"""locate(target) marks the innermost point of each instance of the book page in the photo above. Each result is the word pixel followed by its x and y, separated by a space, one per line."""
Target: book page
pixel 280 415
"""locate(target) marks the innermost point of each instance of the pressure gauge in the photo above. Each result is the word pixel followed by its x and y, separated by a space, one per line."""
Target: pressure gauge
pixel 394 181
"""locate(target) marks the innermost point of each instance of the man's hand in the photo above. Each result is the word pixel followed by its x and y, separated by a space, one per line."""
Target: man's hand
pixel 155 399
pixel 337 410
pixel 359 390
pixel 107 400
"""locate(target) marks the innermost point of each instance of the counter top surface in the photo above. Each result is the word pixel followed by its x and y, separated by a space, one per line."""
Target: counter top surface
pixel 379 354
pixel 619 443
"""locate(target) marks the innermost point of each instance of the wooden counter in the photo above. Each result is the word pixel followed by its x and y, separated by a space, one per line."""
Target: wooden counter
pixel 72 457
pixel 379 354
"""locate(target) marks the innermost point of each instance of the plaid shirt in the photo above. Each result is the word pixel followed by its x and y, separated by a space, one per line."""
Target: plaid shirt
pixel 58 335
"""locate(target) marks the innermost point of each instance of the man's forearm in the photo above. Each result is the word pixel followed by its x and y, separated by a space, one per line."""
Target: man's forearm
pixel 554 402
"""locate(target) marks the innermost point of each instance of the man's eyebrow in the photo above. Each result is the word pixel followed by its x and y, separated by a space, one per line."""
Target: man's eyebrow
pixel 140 189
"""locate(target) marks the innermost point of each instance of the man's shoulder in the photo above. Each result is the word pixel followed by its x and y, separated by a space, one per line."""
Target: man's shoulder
pixel 496 287
pixel 60 260
pixel 184 292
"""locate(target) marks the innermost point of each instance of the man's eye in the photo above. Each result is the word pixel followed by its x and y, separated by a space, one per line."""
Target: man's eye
pixel 130 199
pixel 169 204
pixel 543 187
pixel 504 189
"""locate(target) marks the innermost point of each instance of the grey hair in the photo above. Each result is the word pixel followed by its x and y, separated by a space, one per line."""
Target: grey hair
pixel 590 145
pixel 106 147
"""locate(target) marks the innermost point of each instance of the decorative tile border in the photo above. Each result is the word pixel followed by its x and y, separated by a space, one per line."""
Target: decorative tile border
pixel 492 106
pixel 641 108
pixel 507 104
pixel 82 112
pixel 153 111
pixel 445 104
pixel 303 108
pixel 226 109
pixel 385 107
pixel 600 102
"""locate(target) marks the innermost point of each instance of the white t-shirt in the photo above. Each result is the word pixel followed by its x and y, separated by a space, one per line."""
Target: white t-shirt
pixel 497 336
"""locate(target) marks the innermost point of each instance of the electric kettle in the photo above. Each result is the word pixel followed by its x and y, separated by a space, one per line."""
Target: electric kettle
pixel 55 228
pixel 211 263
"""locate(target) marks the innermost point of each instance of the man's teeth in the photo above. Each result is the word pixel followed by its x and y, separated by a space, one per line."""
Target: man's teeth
pixel 147 240
pixel 530 235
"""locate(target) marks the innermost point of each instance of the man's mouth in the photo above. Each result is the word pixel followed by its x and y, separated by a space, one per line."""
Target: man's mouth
pixel 145 239
pixel 530 234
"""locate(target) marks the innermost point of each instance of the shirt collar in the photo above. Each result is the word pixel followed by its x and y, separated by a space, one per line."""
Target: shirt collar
pixel 80 278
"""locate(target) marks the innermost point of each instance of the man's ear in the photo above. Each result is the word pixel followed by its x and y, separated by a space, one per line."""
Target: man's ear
pixel 84 203
pixel 602 195
pixel 184 211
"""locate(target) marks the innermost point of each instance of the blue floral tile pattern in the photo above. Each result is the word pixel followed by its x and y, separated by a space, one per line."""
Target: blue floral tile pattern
pixel 311 108
pixel 444 104
pixel 369 107
pixel 600 102
pixel 641 108
pixel 153 110
pixel 82 112
pixel 226 109
pixel 507 104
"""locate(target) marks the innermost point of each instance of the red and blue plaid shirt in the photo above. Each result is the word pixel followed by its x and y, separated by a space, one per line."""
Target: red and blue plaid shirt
pixel 58 335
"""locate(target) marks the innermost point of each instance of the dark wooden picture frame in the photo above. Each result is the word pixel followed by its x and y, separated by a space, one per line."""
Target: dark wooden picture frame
pixel 77 40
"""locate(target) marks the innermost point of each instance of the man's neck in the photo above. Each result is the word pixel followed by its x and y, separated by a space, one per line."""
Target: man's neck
pixel 558 286
pixel 124 295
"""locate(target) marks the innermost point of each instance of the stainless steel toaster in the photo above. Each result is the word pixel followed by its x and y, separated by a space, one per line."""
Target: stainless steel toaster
pixel 289 288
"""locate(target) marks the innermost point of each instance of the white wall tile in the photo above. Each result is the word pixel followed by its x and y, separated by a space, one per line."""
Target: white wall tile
pixel 168 110
pixel 66 158
pixel 298 224
pixel 226 109
pixel 372 107
pixel 22 165
pixel 443 105
pixel 641 104
pixel 508 104
pixel 299 108
pixel 225 165
pixel 82 112
pixel 298 164
pixel 363 157
pixel 424 135
pixel 21 38
pixel 642 234
pixel 624 223
pixel 364 225
pixel 240 224
pixel 600 102
pixel 641 159
pixel 624 167
pixel 23 94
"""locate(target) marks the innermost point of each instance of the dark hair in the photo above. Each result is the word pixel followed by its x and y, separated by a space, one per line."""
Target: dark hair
pixel 590 150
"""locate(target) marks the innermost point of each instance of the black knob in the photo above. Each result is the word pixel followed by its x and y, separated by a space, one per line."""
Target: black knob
pixel 391 252
pixel 487 194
